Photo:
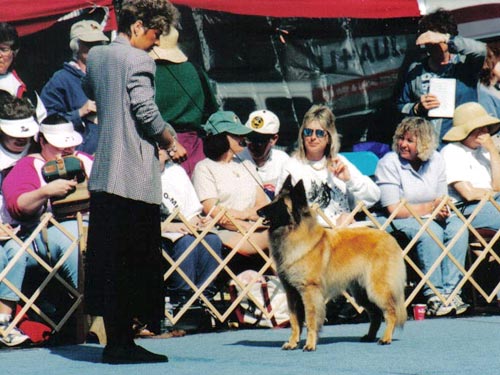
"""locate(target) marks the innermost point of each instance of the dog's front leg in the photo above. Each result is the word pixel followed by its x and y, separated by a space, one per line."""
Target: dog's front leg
pixel 296 311
pixel 314 304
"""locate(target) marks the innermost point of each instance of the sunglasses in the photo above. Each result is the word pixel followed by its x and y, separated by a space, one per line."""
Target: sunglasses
pixel 257 141
pixel 308 132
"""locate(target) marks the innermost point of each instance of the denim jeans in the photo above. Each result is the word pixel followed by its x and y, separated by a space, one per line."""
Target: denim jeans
pixel 446 276
pixel 58 244
pixel 488 217
pixel 198 265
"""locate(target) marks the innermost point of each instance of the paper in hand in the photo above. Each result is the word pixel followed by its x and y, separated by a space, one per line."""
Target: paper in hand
pixel 444 89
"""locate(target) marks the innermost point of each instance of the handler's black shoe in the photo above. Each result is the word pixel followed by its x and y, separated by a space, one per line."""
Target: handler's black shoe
pixel 130 354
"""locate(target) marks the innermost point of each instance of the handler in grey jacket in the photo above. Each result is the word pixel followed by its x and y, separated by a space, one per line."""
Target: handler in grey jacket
pixel 123 275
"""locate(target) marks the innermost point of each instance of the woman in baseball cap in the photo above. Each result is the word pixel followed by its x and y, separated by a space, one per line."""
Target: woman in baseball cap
pixel 224 180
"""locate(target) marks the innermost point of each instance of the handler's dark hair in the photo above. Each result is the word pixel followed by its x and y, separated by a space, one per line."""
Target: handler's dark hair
pixel 441 21
pixel 154 14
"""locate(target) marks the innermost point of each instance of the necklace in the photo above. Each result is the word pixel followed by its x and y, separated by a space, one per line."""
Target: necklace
pixel 318 165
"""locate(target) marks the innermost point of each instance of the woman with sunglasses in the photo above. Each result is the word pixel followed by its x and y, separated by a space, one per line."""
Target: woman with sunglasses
pixel 331 181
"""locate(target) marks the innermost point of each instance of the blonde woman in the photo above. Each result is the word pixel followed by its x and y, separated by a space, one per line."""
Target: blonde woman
pixel 331 181
pixel 415 171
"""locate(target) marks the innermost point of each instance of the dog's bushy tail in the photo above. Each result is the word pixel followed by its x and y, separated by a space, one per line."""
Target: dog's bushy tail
pixel 401 313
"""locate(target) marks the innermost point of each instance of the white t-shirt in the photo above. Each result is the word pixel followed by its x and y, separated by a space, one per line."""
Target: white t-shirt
pixel 8 159
pixel 466 164
pixel 333 195
pixel 9 83
pixel 272 168
pixel 178 191
pixel 232 183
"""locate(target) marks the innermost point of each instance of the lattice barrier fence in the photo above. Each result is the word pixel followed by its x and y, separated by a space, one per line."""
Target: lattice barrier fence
pixel 51 273
pixel 481 250
pixel 482 245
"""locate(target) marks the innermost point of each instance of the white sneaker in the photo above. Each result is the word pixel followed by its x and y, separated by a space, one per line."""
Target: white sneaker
pixel 14 338
pixel 436 308
pixel 459 305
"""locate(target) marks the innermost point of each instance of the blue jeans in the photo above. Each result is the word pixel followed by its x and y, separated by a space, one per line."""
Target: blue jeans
pixel 446 276
pixel 488 217
pixel 198 265
pixel 58 243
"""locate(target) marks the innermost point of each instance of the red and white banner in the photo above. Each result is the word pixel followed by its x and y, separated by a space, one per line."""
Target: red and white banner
pixel 30 16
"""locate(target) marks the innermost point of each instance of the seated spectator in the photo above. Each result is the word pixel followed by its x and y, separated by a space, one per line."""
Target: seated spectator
pixel 178 192
pixel 27 196
pixel 222 180
pixel 63 93
pixel 330 180
pixel 9 79
pixel 260 151
pixel 415 172
pixel 17 128
pixel 473 163
pixel 9 47
pixel 489 85
pixel 448 55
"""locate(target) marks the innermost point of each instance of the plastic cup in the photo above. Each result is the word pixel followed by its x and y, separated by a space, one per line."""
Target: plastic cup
pixel 419 311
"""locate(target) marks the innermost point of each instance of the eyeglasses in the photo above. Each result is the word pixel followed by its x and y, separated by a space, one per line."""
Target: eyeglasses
pixel 4 51
pixel 308 132
pixel 257 141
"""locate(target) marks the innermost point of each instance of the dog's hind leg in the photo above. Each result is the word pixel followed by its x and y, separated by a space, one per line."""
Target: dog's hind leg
pixel 296 311
pixel 390 316
pixel 387 303
pixel 375 315
pixel 373 311
pixel 314 306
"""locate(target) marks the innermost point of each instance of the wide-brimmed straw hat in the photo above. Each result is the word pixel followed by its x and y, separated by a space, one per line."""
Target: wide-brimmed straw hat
pixel 168 48
pixel 466 118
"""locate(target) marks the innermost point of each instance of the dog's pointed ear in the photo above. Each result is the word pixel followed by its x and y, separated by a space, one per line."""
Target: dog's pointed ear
pixel 287 185
pixel 298 194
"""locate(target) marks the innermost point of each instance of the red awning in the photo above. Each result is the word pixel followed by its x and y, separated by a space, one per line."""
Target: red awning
pixel 311 8
pixel 29 16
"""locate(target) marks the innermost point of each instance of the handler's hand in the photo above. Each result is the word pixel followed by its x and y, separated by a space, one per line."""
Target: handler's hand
pixel 432 37
pixel 180 155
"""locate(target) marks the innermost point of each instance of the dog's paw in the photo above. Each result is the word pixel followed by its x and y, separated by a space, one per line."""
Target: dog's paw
pixel 309 347
pixel 367 338
pixel 289 346
pixel 384 342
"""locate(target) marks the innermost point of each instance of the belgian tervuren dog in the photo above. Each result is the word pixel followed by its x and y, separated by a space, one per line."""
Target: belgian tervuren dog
pixel 316 264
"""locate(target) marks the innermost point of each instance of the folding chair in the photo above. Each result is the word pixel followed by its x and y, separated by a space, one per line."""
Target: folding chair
pixel 484 251
pixel 31 302
pixel 365 161
pixel 223 267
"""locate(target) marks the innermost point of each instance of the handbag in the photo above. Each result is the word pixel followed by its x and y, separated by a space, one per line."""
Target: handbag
pixel 270 294
pixel 78 200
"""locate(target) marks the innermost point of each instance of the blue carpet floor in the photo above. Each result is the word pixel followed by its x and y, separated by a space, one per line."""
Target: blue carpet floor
pixel 443 346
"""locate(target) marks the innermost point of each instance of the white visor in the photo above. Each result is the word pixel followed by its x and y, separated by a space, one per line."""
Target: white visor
pixel 22 128
pixel 61 135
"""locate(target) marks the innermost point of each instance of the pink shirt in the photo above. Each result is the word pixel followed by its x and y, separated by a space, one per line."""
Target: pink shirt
pixel 26 177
